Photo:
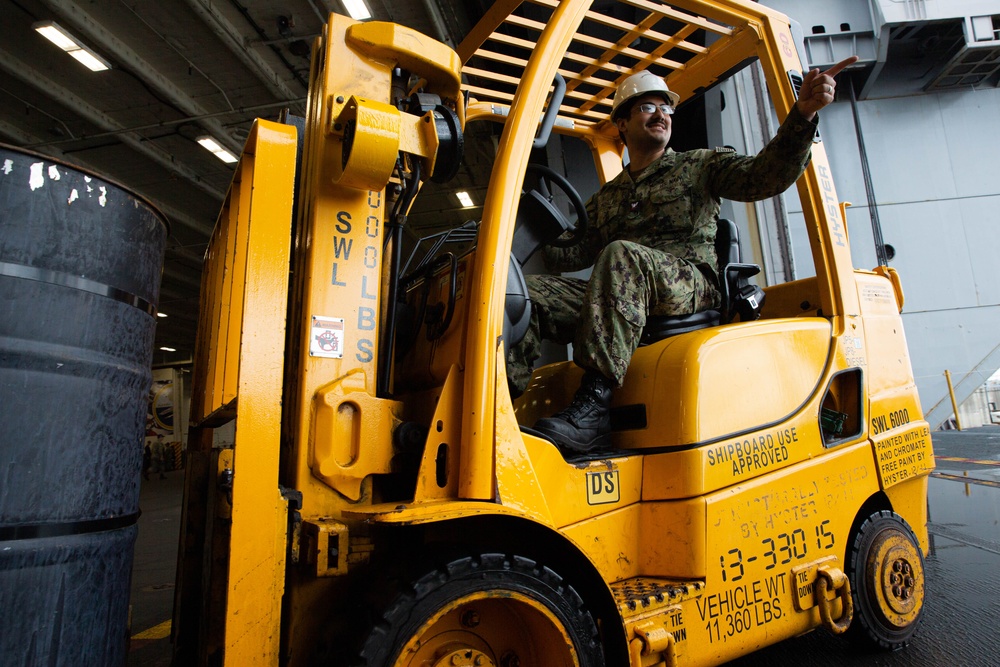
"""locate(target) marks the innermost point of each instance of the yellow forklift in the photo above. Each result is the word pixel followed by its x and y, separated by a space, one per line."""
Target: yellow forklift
pixel 383 500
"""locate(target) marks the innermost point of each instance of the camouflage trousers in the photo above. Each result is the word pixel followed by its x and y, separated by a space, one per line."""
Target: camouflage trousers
pixel 604 317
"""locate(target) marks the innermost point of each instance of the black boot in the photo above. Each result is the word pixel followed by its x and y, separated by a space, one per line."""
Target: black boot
pixel 585 425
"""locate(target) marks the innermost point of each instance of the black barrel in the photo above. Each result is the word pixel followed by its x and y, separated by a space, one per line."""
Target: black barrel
pixel 80 265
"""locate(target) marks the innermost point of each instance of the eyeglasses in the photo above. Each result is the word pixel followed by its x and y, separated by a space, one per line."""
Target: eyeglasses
pixel 649 107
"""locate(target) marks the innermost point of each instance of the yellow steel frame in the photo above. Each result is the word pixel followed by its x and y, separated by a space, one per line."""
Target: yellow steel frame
pixel 487 285
pixel 498 463
pixel 745 29
pixel 493 455
pixel 340 266
pixel 259 521
pixel 238 373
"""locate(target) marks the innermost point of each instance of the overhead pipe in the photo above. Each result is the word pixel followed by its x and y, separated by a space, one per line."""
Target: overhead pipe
pixel 880 253
pixel 168 123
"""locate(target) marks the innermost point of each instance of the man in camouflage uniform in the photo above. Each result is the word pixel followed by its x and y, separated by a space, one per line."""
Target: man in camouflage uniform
pixel 651 240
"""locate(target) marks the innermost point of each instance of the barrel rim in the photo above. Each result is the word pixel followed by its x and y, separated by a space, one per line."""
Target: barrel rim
pixel 90 172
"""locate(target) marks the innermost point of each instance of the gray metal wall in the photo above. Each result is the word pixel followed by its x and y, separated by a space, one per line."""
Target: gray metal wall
pixel 936 178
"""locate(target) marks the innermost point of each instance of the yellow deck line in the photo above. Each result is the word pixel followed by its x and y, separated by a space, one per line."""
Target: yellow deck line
pixel 156 632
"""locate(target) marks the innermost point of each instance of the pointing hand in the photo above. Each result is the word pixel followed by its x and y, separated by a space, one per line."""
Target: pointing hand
pixel 818 88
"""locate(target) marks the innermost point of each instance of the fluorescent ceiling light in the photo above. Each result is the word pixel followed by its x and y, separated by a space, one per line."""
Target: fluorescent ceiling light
pixel 56 34
pixel 218 151
pixel 464 197
pixel 210 144
pixel 168 349
pixel 158 314
pixel 88 60
pixel 357 9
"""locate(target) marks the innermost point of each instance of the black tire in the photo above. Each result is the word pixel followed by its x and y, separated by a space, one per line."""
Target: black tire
pixel 886 570
pixel 503 610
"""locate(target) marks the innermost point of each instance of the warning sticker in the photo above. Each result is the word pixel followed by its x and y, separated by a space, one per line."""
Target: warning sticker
pixel 603 487
pixel 326 337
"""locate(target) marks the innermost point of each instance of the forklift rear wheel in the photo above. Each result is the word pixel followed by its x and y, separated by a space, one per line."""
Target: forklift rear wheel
pixel 887 582
pixel 491 610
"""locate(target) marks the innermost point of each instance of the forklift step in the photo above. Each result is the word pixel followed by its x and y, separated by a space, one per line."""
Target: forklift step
pixel 640 595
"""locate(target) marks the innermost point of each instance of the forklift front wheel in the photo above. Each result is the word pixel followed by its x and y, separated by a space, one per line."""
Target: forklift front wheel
pixel 488 610
pixel 887 582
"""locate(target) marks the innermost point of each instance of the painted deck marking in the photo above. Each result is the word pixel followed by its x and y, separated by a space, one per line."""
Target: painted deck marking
pixel 958 459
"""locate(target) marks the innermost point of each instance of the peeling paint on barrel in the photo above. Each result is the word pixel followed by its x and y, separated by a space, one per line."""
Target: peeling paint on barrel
pixel 80 267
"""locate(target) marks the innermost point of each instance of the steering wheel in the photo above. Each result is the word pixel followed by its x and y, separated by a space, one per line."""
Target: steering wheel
pixel 543 204
pixel 540 223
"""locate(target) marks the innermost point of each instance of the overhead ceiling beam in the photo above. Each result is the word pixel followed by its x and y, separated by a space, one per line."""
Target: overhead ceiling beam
pixel 20 137
pixel 437 20
pixel 236 42
pixel 103 38
pixel 323 18
pixel 33 77
pixel 171 295
pixel 182 307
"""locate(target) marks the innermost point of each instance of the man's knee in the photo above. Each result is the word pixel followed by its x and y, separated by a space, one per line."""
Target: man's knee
pixel 619 250
pixel 620 256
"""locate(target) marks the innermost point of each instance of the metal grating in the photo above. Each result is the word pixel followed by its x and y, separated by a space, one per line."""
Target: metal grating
pixel 973 66
pixel 616 39
pixel 642 594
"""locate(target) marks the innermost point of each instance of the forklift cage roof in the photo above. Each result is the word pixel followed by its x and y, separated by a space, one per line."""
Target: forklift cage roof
pixel 692 51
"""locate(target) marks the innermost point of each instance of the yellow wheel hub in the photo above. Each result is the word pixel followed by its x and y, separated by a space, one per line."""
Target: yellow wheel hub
pixel 465 658
pixel 897 578
pixel 490 629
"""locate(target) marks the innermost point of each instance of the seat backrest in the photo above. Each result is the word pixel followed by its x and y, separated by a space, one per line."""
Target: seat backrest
pixel 733 278
pixel 739 296
pixel 727 243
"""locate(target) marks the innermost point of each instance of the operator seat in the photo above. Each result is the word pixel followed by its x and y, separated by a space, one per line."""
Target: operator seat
pixel 738 295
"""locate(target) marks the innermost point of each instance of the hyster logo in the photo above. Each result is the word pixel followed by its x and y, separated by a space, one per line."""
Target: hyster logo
pixel 602 487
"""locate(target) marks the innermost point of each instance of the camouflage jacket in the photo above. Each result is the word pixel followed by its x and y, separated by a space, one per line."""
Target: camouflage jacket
pixel 672 204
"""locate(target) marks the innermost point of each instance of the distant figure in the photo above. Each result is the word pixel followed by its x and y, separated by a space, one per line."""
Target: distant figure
pixel 159 456
pixel 147 461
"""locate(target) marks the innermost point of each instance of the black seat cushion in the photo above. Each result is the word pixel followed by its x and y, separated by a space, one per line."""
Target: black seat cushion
pixel 659 327
pixel 727 249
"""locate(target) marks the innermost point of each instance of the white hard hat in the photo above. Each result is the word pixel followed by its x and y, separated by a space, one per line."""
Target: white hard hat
pixel 642 83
